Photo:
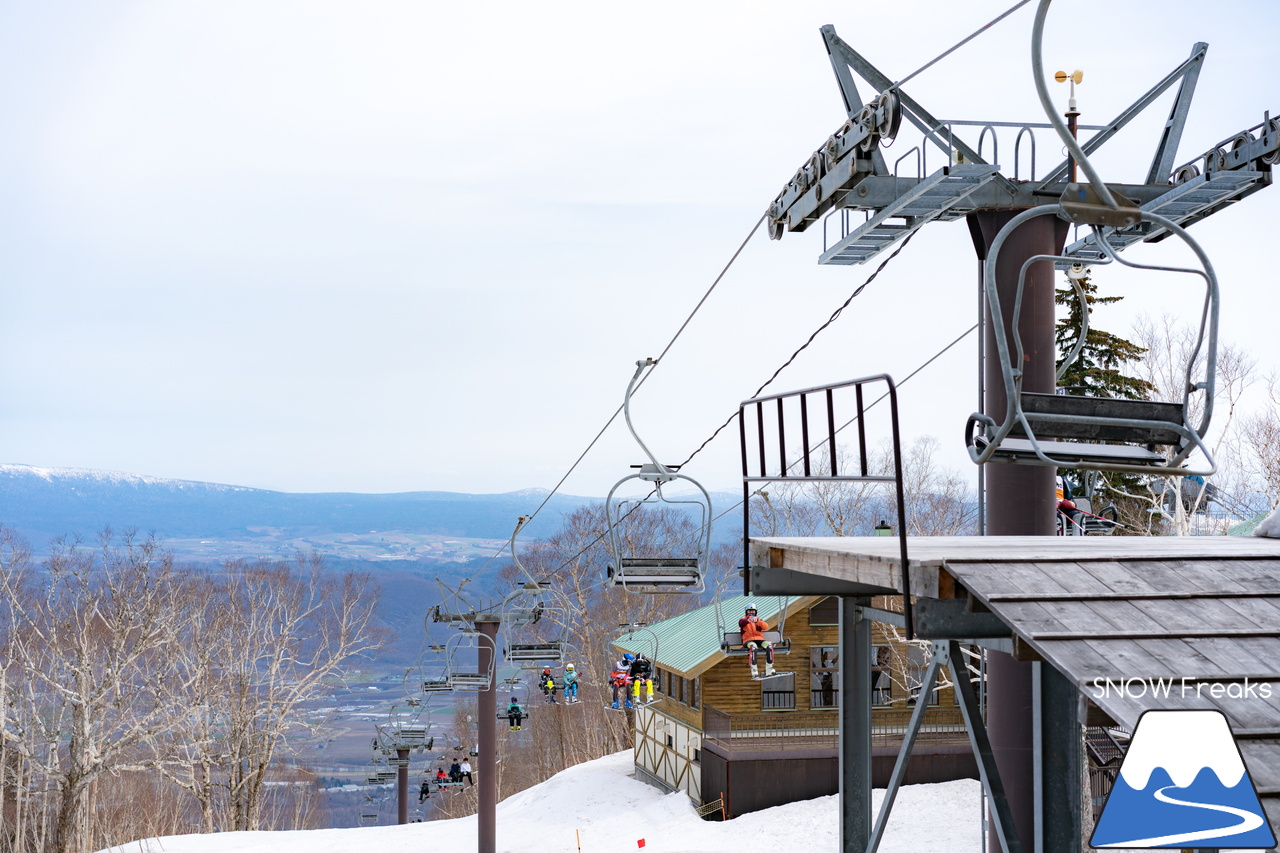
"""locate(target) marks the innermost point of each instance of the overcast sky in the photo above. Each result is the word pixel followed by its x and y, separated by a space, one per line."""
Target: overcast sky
pixel 395 246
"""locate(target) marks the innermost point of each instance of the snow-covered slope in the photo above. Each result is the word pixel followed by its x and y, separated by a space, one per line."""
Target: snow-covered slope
pixel 597 807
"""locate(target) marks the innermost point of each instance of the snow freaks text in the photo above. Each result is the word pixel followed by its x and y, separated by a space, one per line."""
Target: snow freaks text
pixel 1164 688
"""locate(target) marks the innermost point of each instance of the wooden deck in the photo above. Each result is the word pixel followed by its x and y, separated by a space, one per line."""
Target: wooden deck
pixel 1201 613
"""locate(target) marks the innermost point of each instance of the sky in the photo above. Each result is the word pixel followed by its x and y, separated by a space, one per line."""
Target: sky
pixel 598 807
pixel 398 246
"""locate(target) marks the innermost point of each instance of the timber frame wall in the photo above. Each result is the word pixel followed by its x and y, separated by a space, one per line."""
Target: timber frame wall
pixel 669 734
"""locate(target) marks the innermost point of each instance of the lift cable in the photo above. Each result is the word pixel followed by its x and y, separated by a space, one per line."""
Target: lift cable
pixel 834 316
pixel 613 417
pixel 961 43
pixel 735 506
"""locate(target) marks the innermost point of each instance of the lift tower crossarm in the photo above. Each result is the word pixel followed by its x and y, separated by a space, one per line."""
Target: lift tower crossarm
pixel 1189 73
pixel 851 154
pixel 1167 149
pixel 919 116
pixel 848 88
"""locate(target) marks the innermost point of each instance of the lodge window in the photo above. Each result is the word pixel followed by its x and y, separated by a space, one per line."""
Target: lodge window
pixel 824 677
pixel 881 675
pixel 693 692
pixel 778 693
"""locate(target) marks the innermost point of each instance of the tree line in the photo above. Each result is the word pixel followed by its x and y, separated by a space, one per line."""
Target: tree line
pixel 141 698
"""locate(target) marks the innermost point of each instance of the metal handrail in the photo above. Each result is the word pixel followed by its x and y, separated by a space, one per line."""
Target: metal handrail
pixel 786 471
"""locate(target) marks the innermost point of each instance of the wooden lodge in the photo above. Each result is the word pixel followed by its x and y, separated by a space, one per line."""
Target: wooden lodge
pixel 715 733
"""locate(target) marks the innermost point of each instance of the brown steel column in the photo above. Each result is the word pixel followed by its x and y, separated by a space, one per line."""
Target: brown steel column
pixel 402 786
pixel 1019 498
pixel 487 760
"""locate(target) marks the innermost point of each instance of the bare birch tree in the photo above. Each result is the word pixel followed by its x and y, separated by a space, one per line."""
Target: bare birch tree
pixel 88 638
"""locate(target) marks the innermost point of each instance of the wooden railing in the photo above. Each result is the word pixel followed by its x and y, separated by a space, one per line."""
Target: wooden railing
pixel 813 729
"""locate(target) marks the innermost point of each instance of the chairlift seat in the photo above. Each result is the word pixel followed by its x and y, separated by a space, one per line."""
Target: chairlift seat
pixel 469 680
pixel 411 734
pixel 656 572
pixel 436 685
pixel 732 646
pixel 369 819
pixel 1108 418
pixel 535 652
pixel 1022 450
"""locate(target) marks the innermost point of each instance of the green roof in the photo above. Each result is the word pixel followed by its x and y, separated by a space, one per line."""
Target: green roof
pixel 689 643
pixel 1246 528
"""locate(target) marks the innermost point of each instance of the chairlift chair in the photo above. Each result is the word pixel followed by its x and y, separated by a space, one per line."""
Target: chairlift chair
pixel 731 640
pixel 676 573
pixel 1095 433
pixel 368 818
pixel 462 660
pixel 528 606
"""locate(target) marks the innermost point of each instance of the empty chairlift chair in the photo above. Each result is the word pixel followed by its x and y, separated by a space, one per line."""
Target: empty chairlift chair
pixel 534 618
pixel 462 660
pixel 681 572
pixel 1097 433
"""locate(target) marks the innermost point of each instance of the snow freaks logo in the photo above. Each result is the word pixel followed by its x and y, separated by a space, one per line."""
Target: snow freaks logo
pixel 1183 784
pixel 1163 688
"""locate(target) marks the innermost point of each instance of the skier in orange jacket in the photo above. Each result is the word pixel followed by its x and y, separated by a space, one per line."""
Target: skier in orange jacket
pixel 753 628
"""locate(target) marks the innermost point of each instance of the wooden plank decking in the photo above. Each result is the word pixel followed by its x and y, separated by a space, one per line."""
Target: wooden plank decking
pixel 1201 612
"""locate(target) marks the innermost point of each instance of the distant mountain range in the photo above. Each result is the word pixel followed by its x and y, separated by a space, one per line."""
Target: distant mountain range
pixel 212 520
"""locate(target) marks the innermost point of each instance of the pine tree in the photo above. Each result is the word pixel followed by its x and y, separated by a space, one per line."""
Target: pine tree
pixel 1097 372
pixel 1097 369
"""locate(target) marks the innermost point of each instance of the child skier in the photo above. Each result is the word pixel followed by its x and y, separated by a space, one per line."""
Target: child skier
pixel 753 628
pixel 570 684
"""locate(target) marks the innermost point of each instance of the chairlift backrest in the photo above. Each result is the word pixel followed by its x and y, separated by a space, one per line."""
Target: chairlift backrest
pixel 682 572
pixel 462 660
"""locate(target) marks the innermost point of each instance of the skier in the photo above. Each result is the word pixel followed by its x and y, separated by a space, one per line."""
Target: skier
pixel 753 628
pixel 514 715
pixel 570 684
pixel 548 683
pixel 641 673
pixel 619 681
pixel 424 793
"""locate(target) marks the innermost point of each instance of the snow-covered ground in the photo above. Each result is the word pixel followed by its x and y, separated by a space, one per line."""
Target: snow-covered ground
pixel 598 807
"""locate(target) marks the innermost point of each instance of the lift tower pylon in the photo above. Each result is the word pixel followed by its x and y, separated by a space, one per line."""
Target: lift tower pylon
pixel 848 175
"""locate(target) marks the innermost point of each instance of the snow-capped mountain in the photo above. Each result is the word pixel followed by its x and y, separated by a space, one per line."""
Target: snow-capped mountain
pixel 43 503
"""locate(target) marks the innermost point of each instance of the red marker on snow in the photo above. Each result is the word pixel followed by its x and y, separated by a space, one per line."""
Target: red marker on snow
pixel 640 843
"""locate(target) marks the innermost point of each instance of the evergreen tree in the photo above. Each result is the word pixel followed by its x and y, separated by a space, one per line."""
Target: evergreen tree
pixel 1097 370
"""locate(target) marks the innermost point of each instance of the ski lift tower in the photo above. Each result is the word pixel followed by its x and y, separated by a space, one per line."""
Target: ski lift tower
pixel 848 175
pixel 484 621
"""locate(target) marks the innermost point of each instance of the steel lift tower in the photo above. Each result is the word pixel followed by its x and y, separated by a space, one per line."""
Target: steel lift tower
pixel 848 175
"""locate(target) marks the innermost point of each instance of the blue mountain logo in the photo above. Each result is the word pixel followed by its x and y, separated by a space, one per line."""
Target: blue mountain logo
pixel 1183 783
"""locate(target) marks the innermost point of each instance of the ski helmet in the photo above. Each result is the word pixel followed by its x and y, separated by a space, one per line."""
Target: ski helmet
pixel 751 608
pixel 628 657
pixel 570 666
